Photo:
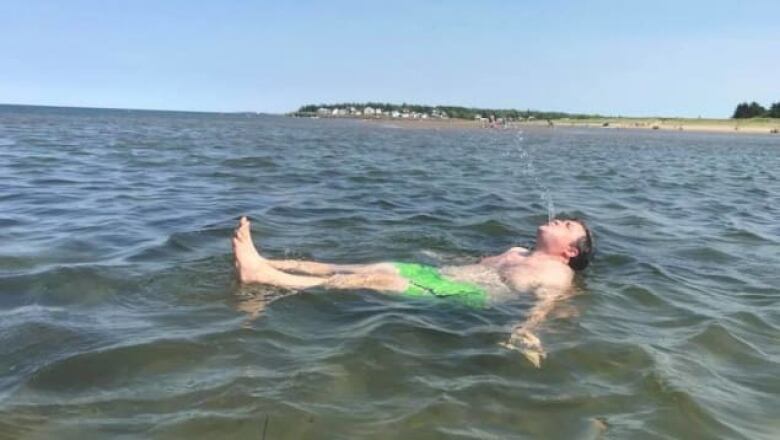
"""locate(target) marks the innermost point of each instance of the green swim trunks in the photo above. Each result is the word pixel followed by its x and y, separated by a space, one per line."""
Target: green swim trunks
pixel 427 281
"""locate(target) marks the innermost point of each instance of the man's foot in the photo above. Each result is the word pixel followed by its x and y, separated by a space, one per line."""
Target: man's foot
pixel 248 262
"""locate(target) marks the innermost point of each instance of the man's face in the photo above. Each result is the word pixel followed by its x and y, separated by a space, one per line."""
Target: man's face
pixel 559 236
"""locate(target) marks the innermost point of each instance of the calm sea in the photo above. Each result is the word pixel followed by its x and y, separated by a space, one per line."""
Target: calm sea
pixel 119 317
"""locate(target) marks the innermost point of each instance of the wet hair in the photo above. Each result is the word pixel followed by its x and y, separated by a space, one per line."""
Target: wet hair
pixel 585 246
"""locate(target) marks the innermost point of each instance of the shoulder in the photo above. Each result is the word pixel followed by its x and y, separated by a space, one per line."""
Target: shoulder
pixel 515 255
pixel 519 250
pixel 557 276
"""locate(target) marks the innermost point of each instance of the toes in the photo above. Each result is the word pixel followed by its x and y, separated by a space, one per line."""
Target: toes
pixel 244 225
pixel 242 228
pixel 243 220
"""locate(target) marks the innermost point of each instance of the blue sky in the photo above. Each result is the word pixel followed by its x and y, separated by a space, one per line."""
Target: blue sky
pixel 694 58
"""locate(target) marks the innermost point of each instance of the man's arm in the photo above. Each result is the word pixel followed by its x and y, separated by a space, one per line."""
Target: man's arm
pixel 523 338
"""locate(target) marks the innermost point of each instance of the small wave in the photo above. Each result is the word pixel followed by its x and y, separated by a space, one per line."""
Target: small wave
pixel 253 162
pixel 176 244
pixel 73 284
pixel 492 228
pixel 752 322
pixel 717 341
pixel 432 217
pixel 704 254
pixel 29 312
pixel 115 366
pixel 744 236
pixel 683 413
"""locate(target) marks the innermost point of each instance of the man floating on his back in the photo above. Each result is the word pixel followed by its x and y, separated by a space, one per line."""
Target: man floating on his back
pixel 547 271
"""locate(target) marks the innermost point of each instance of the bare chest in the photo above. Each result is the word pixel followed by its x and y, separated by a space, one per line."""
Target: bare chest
pixel 522 277
pixel 528 276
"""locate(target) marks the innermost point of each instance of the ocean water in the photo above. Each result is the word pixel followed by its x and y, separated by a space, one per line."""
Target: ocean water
pixel 119 317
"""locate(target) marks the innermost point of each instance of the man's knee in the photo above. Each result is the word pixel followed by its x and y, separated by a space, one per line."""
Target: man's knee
pixel 380 268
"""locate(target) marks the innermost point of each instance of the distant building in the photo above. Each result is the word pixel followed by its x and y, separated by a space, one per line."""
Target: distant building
pixel 395 114
pixel 369 111
pixel 322 111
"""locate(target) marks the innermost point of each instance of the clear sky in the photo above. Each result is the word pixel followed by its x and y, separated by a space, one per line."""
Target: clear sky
pixel 672 58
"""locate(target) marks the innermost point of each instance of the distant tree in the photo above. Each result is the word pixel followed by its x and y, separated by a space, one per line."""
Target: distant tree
pixel 774 110
pixel 757 109
pixel 752 110
pixel 741 111
pixel 453 111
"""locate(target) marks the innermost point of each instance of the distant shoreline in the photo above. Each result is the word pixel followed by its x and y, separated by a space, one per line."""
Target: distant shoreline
pixel 444 116
pixel 735 126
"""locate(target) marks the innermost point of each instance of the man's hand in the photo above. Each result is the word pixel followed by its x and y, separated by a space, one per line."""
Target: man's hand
pixel 527 343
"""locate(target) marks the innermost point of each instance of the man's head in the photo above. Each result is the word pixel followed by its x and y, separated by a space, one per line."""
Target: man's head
pixel 567 238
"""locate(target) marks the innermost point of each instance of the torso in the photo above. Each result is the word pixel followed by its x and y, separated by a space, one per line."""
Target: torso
pixel 484 276
pixel 512 273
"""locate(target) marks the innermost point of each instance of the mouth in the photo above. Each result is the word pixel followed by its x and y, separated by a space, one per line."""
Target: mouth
pixel 550 224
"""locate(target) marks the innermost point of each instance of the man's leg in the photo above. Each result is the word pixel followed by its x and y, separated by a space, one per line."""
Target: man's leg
pixel 326 269
pixel 251 267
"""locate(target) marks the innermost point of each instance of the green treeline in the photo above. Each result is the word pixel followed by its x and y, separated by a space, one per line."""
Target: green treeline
pixel 451 111
pixel 756 110
pixel 743 111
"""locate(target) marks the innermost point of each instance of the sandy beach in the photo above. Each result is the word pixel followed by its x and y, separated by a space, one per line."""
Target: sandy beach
pixel 748 126
pixel 741 126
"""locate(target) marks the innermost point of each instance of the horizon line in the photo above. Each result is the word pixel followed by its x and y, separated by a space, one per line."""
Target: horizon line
pixel 81 107
pixel 591 115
